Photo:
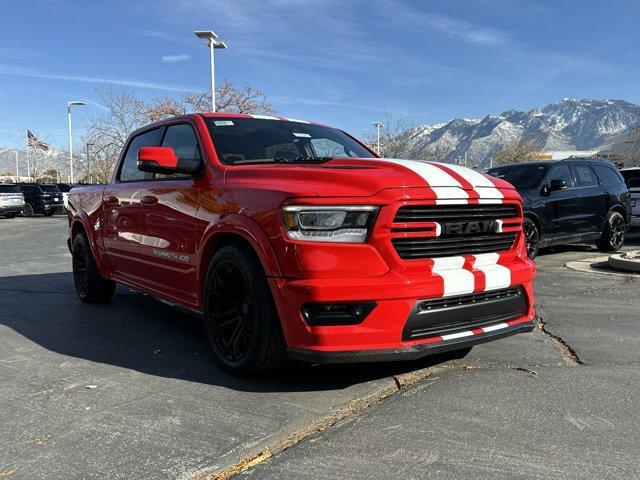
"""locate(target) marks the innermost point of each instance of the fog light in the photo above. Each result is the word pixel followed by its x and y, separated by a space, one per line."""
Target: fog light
pixel 324 314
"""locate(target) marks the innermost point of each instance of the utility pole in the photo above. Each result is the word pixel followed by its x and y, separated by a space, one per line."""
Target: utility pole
pixel 378 126
pixel 69 105
pixel 17 173
pixel 212 43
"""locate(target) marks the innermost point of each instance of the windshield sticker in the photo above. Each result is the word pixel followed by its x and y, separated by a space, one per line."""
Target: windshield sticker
pixel 223 123
pixel 301 135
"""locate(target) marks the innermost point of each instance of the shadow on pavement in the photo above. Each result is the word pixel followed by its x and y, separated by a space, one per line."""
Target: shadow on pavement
pixel 136 332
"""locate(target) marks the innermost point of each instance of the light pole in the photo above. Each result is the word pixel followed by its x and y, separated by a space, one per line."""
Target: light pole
pixel 69 105
pixel 378 126
pixel 212 43
pixel 88 162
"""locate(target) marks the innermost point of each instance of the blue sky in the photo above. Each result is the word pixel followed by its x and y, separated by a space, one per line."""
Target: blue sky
pixel 341 62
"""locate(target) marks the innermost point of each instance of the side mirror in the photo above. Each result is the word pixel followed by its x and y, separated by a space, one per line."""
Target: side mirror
pixel 557 184
pixel 157 160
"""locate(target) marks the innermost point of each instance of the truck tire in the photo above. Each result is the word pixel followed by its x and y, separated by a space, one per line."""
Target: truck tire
pixel 241 320
pixel 90 286
pixel 28 211
pixel 612 237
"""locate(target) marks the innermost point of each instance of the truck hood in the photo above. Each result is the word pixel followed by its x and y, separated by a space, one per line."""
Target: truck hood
pixel 351 177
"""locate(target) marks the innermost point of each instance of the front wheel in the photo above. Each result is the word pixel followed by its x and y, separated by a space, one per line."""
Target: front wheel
pixel 90 286
pixel 28 211
pixel 612 237
pixel 531 237
pixel 242 323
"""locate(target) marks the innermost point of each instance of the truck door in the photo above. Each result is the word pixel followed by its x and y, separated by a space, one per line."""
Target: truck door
pixel 123 220
pixel 169 206
pixel 591 201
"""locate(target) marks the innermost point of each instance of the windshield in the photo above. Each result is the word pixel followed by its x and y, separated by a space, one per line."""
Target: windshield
pixel 251 140
pixel 521 176
pixel 50 188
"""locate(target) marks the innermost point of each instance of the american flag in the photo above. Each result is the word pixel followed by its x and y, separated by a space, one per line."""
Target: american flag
pixel 35 142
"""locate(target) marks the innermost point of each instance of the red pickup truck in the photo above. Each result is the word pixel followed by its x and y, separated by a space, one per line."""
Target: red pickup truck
pixel 293 239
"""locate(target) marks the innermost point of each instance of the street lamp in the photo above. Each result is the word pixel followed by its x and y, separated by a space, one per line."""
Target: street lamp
pixel 212 43
pixel 378 126
pixel 69 105
pixel 88 162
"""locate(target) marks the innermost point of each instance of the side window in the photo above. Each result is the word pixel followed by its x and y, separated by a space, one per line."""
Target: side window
pixel 609 175
pixel 184 142
pixel 561 172
pixel 585 176
pixel 129 171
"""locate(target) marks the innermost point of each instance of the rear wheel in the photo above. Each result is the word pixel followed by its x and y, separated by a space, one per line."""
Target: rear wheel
pixel 612 237
pixel 242 324
pixel 90 286
pixel 531 237
pixel 28 211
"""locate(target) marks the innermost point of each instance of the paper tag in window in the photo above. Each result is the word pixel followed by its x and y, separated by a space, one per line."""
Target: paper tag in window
pixel 301 135
pixel 222 123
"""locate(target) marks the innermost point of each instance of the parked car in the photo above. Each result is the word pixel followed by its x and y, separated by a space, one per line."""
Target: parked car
pixel 11 201
pixel 570 201
pixel 632 177
pixel 290 237
pixel 65 188
pixel 45 199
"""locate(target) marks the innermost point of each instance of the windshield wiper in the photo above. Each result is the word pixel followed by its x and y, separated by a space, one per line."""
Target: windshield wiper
pixel 301 159
pixel 298 159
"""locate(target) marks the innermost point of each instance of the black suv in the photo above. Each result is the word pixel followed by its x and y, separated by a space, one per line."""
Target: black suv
pixel 41 198
pixel 569 201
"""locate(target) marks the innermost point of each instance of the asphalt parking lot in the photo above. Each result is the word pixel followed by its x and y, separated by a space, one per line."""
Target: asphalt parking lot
pixel 129 390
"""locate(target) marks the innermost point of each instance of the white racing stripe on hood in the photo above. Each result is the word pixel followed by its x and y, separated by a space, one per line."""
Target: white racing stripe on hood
pixel 447 189
pixel 482 185
pixel 496 276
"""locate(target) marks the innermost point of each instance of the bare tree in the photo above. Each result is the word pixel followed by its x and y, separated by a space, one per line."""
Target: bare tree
pixel 517 152
pixel 398 139
pixel 229 98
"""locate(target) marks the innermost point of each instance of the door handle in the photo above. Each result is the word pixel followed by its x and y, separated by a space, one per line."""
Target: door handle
pixel 149 200
pixel 111 200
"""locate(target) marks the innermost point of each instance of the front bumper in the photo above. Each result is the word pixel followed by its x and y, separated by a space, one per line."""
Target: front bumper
pixel 380 336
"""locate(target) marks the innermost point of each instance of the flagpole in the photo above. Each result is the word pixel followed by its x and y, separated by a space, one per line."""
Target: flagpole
pixel 28 167
pixel 17 173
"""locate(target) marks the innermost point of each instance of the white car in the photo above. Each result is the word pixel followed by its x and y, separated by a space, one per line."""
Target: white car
pixel 11 201
pixel 632 177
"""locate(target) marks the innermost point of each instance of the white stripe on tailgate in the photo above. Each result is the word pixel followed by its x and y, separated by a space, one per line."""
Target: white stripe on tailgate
pixel 457 280
pixel 496 276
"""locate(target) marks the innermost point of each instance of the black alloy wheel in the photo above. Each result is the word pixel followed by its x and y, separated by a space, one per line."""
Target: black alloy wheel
pixel 90 286
pixel 28 211
pixel 531 237
pixel 232 309
pixel 241 320
pixel 612 238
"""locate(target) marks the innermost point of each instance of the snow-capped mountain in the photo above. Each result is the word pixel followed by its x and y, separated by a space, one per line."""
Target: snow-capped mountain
pixel 569 124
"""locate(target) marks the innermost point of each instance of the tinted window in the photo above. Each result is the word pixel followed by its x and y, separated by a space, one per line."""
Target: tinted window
pixel 585 176
pixel 521 176
pixel 64 187
pixel 50 188
pixel 184 142
pixel 242 140
pixel 9 189
pixel 129 171
pixel 631 177
pixel 610 175
pixel 561 172
pixel 31 189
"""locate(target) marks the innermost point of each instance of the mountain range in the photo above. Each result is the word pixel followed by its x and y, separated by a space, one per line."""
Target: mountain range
pixel 569 124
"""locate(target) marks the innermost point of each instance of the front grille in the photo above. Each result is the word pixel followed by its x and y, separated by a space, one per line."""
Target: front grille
pixel 475 226
pixel 443 213
pixel 446 315
pixel 409 248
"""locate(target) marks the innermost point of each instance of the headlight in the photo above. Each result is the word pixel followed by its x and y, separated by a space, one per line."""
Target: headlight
pixel 348 224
